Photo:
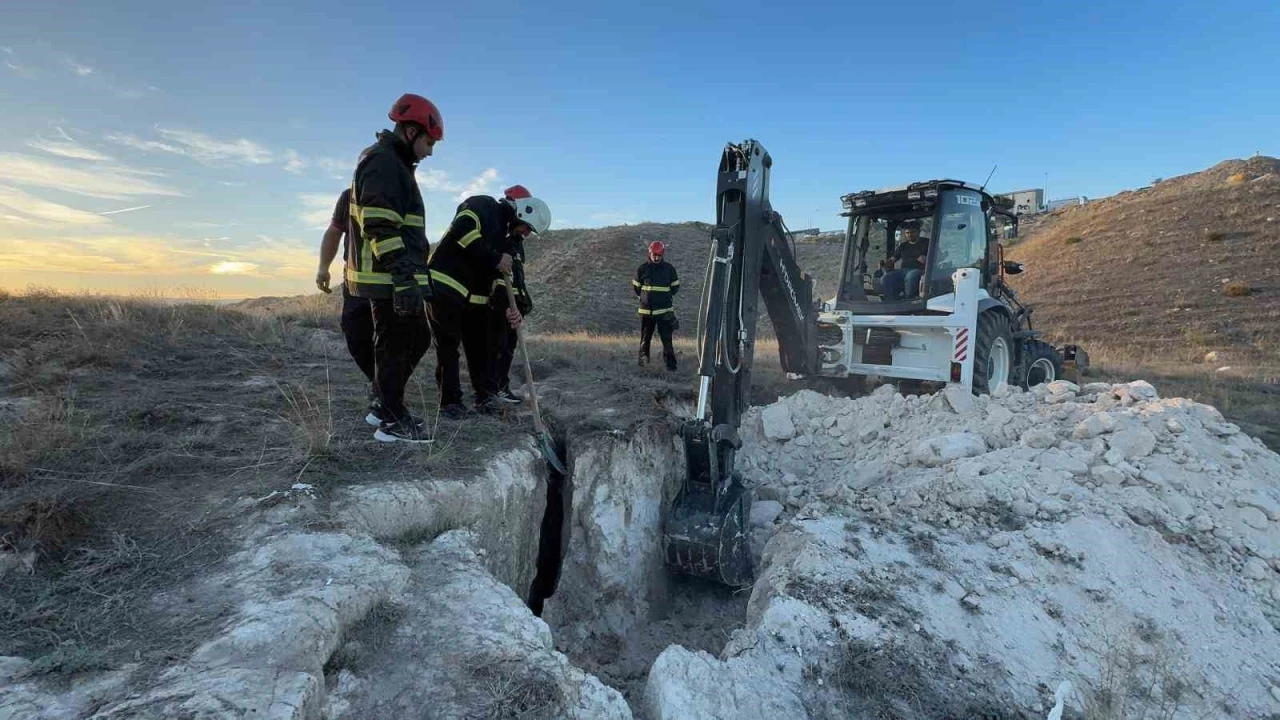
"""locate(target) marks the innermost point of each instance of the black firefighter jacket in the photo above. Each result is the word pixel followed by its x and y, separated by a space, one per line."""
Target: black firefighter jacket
pixel 465 262
pixel 655 284
pixel 387 237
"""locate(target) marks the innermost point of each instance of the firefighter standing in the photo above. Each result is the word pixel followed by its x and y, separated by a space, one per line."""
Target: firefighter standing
pixel 469 258
pixel 387 254
pixel 357 317
pixel 655 284
pixel 503 336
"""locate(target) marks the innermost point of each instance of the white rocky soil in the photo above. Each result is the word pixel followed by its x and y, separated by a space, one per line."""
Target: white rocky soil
pixel 1099 549
pixel 953 556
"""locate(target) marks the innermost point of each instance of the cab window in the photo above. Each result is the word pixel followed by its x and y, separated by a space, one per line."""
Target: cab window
pixel 961 239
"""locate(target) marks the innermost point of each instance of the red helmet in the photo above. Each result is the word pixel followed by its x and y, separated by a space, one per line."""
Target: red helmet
pixel 417 109
pixel 657 248
pixel 516 192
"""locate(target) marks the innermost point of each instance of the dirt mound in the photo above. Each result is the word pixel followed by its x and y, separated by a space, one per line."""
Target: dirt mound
pixel 1184 267
pixel 581 279
pixel 952 556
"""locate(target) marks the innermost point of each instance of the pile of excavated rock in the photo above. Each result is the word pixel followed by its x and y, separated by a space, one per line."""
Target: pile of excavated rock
pixel 989 548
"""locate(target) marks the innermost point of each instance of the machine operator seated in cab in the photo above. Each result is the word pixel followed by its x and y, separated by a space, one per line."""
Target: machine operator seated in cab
pixel 904 282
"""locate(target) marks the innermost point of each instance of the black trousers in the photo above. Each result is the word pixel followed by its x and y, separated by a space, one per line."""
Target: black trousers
pixel 456 322
pixel 505 342
pixel 648 323
pixel 398 345
pixel 357 328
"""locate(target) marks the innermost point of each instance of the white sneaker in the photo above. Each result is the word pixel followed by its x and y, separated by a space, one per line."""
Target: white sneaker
pixel 402 432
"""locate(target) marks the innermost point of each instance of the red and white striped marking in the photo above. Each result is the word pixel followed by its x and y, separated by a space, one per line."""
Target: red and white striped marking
pixel 962 344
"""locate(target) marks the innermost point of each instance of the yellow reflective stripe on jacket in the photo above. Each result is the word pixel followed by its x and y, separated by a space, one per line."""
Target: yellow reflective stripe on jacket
pixel 478 299
pixel 636 283
pixel 385 214
pixel 415 221
pixel 382 247
pixel 656 288
pixel 368 278
pixel 377 278
pixel 663 311
pixel 675 283
pixel 443 279
pixel 469 238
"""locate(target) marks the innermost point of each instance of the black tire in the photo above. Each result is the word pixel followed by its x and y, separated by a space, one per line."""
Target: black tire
pixel 1043 364
pixel 993 330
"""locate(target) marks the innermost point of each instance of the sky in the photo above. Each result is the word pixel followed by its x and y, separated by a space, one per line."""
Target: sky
pixel 197 149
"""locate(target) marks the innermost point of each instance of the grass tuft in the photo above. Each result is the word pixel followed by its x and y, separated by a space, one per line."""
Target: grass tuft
pixel 515 691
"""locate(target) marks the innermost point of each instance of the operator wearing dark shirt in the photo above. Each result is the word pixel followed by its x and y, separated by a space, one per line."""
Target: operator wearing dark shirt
pixel 911 253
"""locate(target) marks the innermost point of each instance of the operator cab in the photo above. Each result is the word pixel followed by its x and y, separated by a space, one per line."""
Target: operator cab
pixel 958 222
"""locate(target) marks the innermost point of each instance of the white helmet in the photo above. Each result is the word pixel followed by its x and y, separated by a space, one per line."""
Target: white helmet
pixel 532 212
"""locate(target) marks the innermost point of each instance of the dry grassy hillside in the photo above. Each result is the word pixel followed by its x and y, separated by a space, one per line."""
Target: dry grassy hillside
pixel 1180 280
pixel 581 279
pixel 1185 267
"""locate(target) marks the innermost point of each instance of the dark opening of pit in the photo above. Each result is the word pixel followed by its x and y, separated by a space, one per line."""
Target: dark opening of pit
pixel 553 539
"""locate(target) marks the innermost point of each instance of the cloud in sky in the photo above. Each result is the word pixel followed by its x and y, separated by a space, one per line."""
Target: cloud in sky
pixel 112 182
pixel 77 68
pixel 440 181
pixel 152 257
pixel 233 267
pixel 66 146
pixel 316 210
pixel 30 208
pixel 293 162
pixel 11 62
pixel 333 168
pixel 479 185
pixel 198 146
pixel 126 210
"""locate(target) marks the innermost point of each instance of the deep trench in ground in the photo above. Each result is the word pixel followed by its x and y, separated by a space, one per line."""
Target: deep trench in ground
pixel 617 631
pixel 582 551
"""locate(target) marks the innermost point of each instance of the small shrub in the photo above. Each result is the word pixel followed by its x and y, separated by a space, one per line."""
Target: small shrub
pixel 1237 288
pixel 1139 677
pixel 1235 179
pixel 512 690
pixel 1195 336
pixel 1073 239
pixel 1215 236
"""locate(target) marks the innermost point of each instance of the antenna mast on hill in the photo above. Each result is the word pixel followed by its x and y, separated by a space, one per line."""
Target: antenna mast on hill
pixel 993 172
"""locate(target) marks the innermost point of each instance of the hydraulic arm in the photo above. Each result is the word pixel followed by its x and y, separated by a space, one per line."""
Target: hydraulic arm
pixel 751 257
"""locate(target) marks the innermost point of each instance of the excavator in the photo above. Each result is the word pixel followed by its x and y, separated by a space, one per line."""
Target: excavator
pixel 964 326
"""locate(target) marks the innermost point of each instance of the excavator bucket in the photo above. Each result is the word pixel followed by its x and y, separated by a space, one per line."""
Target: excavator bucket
pixel 709 538
pixel 707 531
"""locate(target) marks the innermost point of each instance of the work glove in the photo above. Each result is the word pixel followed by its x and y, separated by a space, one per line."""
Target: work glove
pixel 408 296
